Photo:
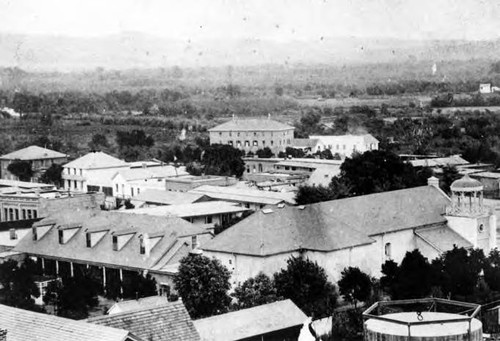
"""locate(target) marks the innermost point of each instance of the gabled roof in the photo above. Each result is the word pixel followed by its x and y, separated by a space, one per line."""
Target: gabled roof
pixel 96 160
pixel 305 143
pixel 251 322
pixel 33 153
pixel 170 322
pixel 151 172
pixel 115 223
pixel 453 160
pixel 233 193
pixel 24 325
pixel 190 210
pixel 332 225
pixel 168 197
pixel 141 303
pixel 254 124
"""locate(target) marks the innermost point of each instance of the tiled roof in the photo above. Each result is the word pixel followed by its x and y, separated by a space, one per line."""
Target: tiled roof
pixel 96 160
pixel 332 225
pixel 190 210
pixel 33 153
pixel 250 322
pixel 442 238
pixel 168 197
pixel 251 125
pixel 151 172
pixel 233 193
pixel 115 223
pixel 24 325
pixel 141 303
pixel 170 322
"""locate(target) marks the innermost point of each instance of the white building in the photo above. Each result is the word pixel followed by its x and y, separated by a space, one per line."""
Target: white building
pixel 363 231
pixel 346 145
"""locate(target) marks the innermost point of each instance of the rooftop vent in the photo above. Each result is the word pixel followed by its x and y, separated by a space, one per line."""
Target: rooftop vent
pixel 267 211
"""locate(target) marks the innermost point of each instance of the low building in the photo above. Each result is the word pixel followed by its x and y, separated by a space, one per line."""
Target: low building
pixel 250 198
pixel 169 321
pixel 23 325
pixel 188 182
pixel 140 303
pixel 251 135
pixel 437 163
pixel 280 320
pixel 39 158
pixel 152 198
pixel 490 181
pixel 92 173
pixel 259 165
pixel 383 226
pixel 347 145
pixel 206 214
pixel 308 166
pixel 485 88
pixel 114 246
pixel 307 145
pixel 129 182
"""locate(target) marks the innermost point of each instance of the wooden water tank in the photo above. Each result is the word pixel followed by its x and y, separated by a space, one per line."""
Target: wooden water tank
pixel 437 327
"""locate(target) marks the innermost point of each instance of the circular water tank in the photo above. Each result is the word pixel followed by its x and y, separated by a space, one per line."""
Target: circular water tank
pixel 449 330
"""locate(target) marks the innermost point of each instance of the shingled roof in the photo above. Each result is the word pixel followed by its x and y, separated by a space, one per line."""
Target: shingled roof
pixel 332 225
pixel 112 223
pixel 254 124
pixel 24 325
pixel 33 153
pixel 170 321
pixel 251 322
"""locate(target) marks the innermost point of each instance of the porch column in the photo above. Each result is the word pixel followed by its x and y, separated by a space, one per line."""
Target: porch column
pixel 57 268
pixel 43 266
pixel 104 278
pixel 121 282
pixel 71 272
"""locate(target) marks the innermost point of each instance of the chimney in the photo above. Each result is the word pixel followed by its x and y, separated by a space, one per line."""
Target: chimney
pixel 433 181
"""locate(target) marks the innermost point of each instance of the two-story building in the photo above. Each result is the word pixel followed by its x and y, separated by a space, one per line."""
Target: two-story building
pixel 39 158
pixel 345 145
pixel 251 135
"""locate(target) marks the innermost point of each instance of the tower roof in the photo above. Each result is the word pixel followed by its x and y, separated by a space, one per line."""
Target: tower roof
pixel 466 184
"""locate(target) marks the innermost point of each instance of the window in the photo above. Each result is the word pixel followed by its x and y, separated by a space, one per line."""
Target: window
pixel 230 143
pixel 17 213
pixel 238 134
pixel 81 172
pixel 35 214
pixel 194 242
pixel 11 214
pixel 61 236
pixel 238 144
pixel 387 250
pixel 272 142
pixel 220 133
pixel 30 214
pixel 12 234
pixel 230 133
pixel 115 243
pixel 132 191
pixel 142 246
pixel 255 143
pixel 263 142
pixel 255 133
pixel 88 240
pixel 92 188
pixel 247 143
pixel 208 219
pixel 116 189
pixel 24 214
pixel 35 236
pixel 108 191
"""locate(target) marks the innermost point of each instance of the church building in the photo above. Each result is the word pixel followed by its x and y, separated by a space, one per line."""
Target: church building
pixel 363 231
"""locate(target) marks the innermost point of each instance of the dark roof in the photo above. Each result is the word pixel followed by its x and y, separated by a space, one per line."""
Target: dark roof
pixel 332 225
pixel 18 224
pixel 115 223
pixel 24 325
pixel 170 322
pixel 250 322
pixel 254 124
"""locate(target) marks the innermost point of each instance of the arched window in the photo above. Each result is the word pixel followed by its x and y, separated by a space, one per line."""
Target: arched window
pixel 387 250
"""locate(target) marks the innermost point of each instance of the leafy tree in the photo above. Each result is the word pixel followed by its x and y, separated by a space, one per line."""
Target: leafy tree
pixel 203 284
pixel 255 291
pixel 294 152
pixel 134 138
pixel 492 270
pixel 450 174
pixel 53 175
pixel 355 285
pixel 265 153
pixel 411 279
pixel 221 159
pixel 313 194
pixel 306 284
pixel 21 169
pixel 18 284
pixel 98 141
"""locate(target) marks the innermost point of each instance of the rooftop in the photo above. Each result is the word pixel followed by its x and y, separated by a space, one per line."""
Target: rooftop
pixel 254 124
pixel 305 143
pixel 489 175
pixel 332 225
pixel 233 193
pixel 250 322
pixel 170 229
pixel 141 303
pixel 442 238
pixel 190 210
pixel 169 321
pixel 454 160
pixel 361 138
pixel 310 163
pixel 23 325
pixel 33 153
pixel 94 160
pixel 151 172
pixel 168 197
pixel 25 185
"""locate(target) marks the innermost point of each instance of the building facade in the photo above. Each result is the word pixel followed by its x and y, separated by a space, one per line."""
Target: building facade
pixel 250 135
pixel 346 145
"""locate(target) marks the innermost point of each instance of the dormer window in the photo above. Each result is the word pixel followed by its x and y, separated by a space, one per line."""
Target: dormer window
pixel 120 240
pixel 142 246
pixel 94 237
pixel 40 231
pixel 194 242
pixel 387 250
pixel 87 239
pixel 35 235
pixel 65 233
pixel 61 237
pixel 115 243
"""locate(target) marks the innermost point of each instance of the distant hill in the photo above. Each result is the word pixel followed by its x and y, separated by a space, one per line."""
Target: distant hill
pixel 137 50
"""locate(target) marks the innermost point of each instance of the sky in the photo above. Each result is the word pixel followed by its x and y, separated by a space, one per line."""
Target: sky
pixel 280 20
